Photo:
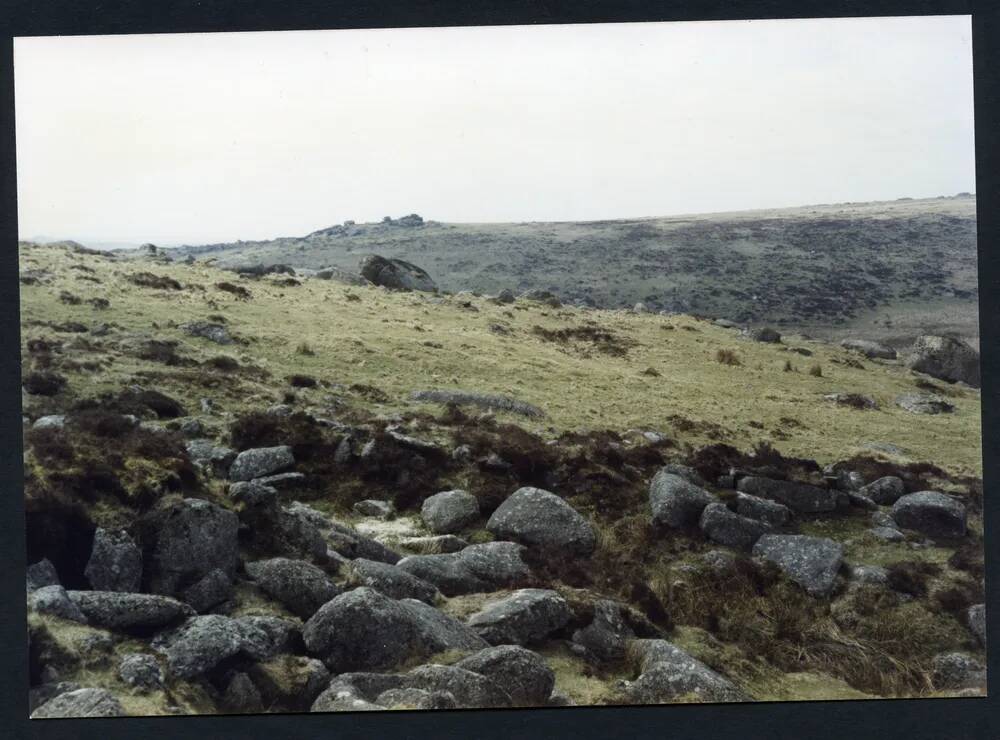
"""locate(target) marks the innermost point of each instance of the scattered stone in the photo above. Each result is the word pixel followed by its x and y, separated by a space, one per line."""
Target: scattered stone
pixel 924 403
pixel 931 513
pixel 676 502
pixel 542 296
pixel 366 629
pixel 300 586
pixel 272 635
pixel 871 350
pixel 257 463
pixel 668 673
pixel 727 528
pixel 449 511
pixel 852 400
pixel 115 562
pixel 141 671
pixel 523 673
pixel 524 617
pixel 81 703
pixel 394 582
pixel 47 691
pixel 800 497
pixel 412 698
pixel 945 358
pixel 885 491
pixel 54 601
pixel 769 512
pixel 870 575
pixel 537 518
pixel 687 473
pixel 812 562
pixel 375 508
pixel 55 421
pixel 887 534
pixel 506 296
pixel 125 611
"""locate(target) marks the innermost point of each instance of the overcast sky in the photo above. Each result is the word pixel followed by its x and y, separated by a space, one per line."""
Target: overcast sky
pixel 216 137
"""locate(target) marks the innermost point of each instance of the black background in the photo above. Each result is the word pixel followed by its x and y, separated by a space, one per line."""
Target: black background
pixel 856 720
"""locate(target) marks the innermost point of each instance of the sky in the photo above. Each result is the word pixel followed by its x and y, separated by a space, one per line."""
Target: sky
pixel 199 138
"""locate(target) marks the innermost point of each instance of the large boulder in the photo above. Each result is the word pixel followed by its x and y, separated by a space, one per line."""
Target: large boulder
pixel 525 674
pixel 667 673
pixel 449 511
pixel 477 568
pixel 728 528
pixel 300 586
pixel 800 497
pixel 259 462
pixel 931 513
pixel 366 629
pixel 126 611
pixel 202 642
pixel 537 518
pixel 946 358
pixel 81 703
pixel 812 562
pixel 115 562
pixel 188 540
pixel 396 274
pixel 675 501
pixel 885 491
pixel 394 582
pixel 924 403
pixel 523 617
pixel 871 350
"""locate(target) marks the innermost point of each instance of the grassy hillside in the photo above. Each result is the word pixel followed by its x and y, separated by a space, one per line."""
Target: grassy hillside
pixel 639 371
pixel 893 269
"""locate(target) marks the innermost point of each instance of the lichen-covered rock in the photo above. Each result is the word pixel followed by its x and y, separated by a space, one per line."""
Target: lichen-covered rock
pixel 470 690
pixel 290 681
pixel 449 511
pixel 477 568
pixel 885 491
pixel 538 518
pixel 211 456
pixel 141 671
pixel 413 698
pixel 81 703
pixel 374 507
pixel 931 513
pixel 946 358
pixel 800 497
pixel 957 671
pixel 273 635
pixel 924 403
pixel 675 501
pixel 115 562
pixel 727 528
pixel 204 641
pixel 607 635
pixel 54 601
pixel 187 541
pixel 127 611
pixel 394 582
pixel 812 562
pixel 523 673
pixel 396 274
pixel 300 586
pixel 365 629
pixel 522 618
pixel 769 512
pixel 261 461
pixel 668 673
pixel 215 588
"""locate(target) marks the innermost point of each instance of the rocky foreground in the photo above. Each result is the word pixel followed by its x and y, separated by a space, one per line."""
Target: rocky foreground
pixel 306 556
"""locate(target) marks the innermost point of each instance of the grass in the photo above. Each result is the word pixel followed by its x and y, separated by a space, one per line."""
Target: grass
pixel 377 343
